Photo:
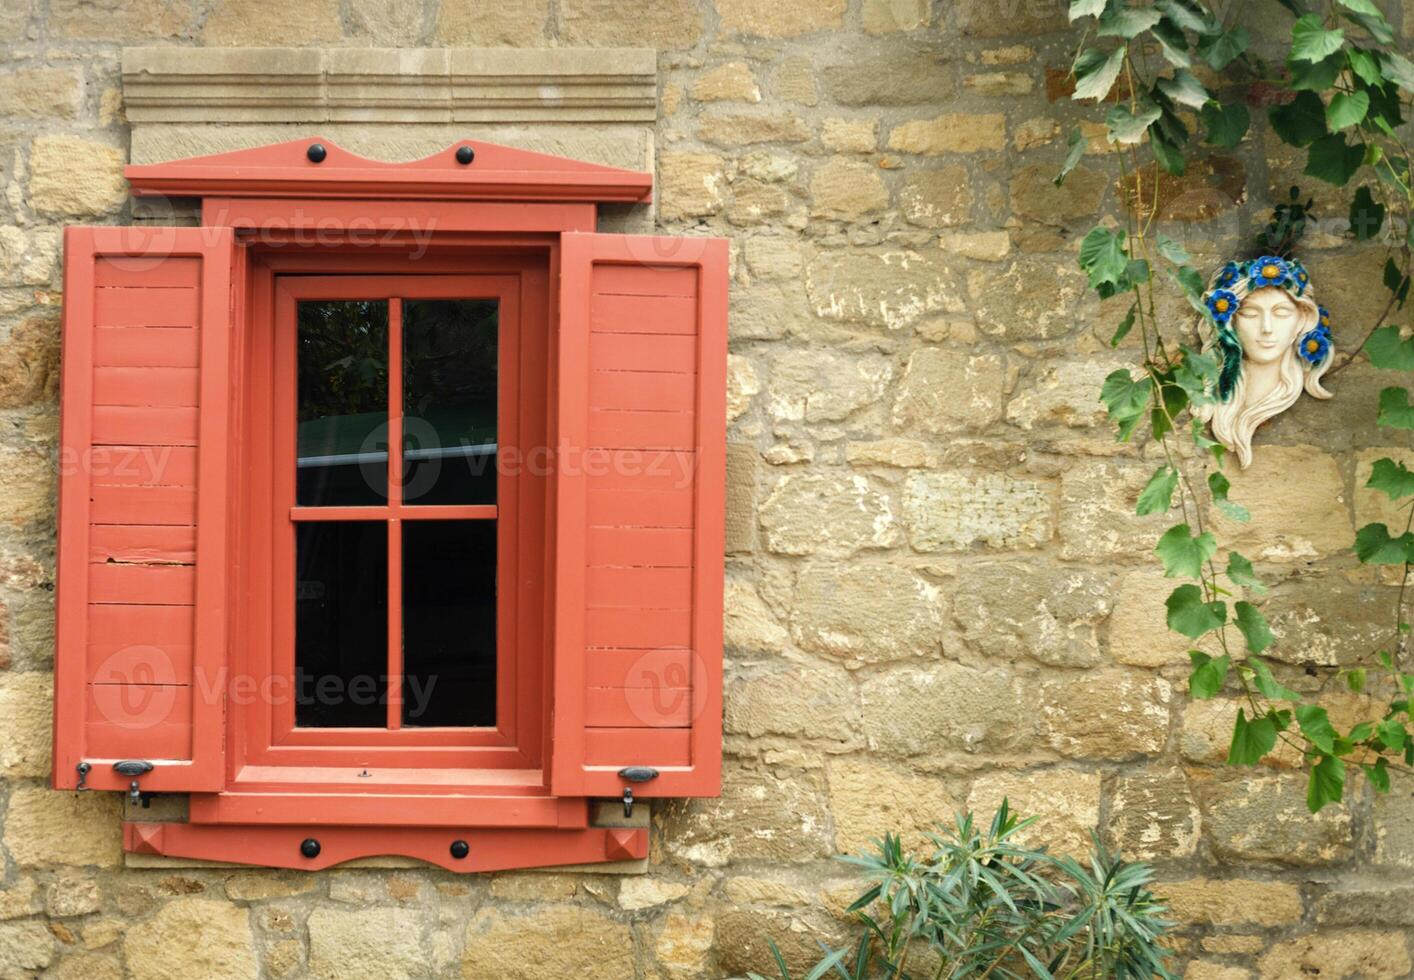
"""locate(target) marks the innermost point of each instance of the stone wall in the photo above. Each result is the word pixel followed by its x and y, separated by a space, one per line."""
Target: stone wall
pixel 935 597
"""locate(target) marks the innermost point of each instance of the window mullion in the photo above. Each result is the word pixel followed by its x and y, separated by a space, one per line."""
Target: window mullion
pixel 395 502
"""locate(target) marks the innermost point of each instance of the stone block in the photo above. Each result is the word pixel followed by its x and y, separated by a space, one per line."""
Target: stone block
pixel 776 816
pixel 742 463
pixel 1296 495
pixel 1065 803
pixel 822 386
pixel 886 289
pixel 1032 298
pixel 1153 816
pixel 945 390
pixel 40 93
pixel 1264 818
pixel 73 176
pixel 1106 714
pixel 272 23
pixel 194 937
pixel 1231 902
pixel 947 708
pixel 953 511
pixel 1364 953
pixel 869 799
pixel 1064 393
pixel 558 941
pixel 1013 610
pixel 729 82
pixel 827 514
pixel 888 16
pixel 805 700
pixel 689 185
pixel 952 132
pixel 492 22
pixel 26 703
pixel 847 191
pixel 938 197
pixel 45 827
pixel 866 612
pixel 753 19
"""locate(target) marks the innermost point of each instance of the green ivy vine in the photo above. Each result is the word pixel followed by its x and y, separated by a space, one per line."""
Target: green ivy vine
pixel 1341 95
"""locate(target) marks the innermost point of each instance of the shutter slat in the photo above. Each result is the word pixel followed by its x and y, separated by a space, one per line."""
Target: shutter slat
pixel 639 541
pixel 141 587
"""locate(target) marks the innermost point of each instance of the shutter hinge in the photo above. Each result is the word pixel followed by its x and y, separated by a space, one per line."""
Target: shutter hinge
pixel 83 769
pixel 133 768
pixel 635 774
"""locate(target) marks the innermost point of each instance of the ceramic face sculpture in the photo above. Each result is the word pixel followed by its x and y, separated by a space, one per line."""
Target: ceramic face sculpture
pixel 1273 342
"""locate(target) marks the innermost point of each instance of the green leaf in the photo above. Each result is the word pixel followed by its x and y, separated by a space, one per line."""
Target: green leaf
pixel 1392 733
pixel 1086 8
pixel 1300 122
pixel 1266 684
pixel 1157 495
pixel 1316 726
pixel 1167 153
pixel 1346 109
pixel 1365 66
pixel 1368 16
pixel 1253 626
pixel 1189 615
pixel 1182 553
pixel 1172 251
pixel 1388 352
pixel 1218 486
pixel 1395 410
pixel 1103 257
pixel 1122 396
pixel 1251 739
pixel 1310 41
pixel 1333 160
pixel 1378 775
pixel 1326 784
pixel 1392 479
pixel 1396 281
pixel 1076 143
pixel 1398 68
pixel 1125 325
pixel 1239 572
pixel 1374 546
pixel 1225 125
pixel 1095 73
pixel 1208 675
pixel 1126 127
pixel 1184 89
pixel 1355 679
pixel 1220 50
pixel 1128 22
pixel 1315 76
pixel 1173 44
pixel 1366 215
pixel 1186 15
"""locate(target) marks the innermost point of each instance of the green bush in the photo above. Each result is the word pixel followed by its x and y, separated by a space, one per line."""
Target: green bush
pixel 985 906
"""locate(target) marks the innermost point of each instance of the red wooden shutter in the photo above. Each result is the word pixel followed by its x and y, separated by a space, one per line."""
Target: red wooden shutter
pixel 640 497
pixel 639 509
pixel 145 412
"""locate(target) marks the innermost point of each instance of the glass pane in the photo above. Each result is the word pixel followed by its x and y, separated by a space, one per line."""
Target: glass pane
pixel 341 624
pixel 343 403
pixel 449 401
pixel 449 623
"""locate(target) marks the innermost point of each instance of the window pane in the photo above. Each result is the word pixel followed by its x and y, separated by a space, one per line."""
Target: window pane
pixel 449 401
pixel 449 623
pixel 341 624
pixel 343 403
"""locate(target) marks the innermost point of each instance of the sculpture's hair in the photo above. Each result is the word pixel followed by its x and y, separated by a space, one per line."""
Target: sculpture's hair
pixel 1232 419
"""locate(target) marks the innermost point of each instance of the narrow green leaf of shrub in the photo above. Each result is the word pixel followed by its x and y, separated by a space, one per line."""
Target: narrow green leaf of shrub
pixel 1388 352
pixel 1346 109
pixel 1128 22
pixel 1221 49
pixel 1366 215
pixel 1374 546
pixel 1266 684
pixel 1253 625
pixel 1190 616
pixel 1208 676
pixel 1310 41
pixel 1392 479
pixel 1218 486
pixel 1300 122
pixel 1378 775
pixel 1183 553
pixel 1075 143
pixel 1316 726
pixel 1225 125
pixel 1086 8
pixel 1239 572
pixel 1184 89
pixel 827 964
pixel 1251 739
pixel 1395 410
pixel 1095 73
pixel 1326 784
pixel 1333 160
pixel 1157 495
pixel 1125 325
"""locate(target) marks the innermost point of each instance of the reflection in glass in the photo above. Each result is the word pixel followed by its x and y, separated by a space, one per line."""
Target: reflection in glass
pixel 449 623
pixel 341 624
pixel 342 451
pixel 449 401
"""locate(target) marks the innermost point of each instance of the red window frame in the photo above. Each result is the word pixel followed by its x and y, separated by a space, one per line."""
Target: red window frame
pixel 579 723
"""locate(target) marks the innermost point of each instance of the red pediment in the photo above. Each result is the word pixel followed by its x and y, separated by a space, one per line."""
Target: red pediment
pixel 316 168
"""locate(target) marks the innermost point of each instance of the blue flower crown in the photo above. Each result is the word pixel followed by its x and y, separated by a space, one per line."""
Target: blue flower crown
pixel 1225 294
